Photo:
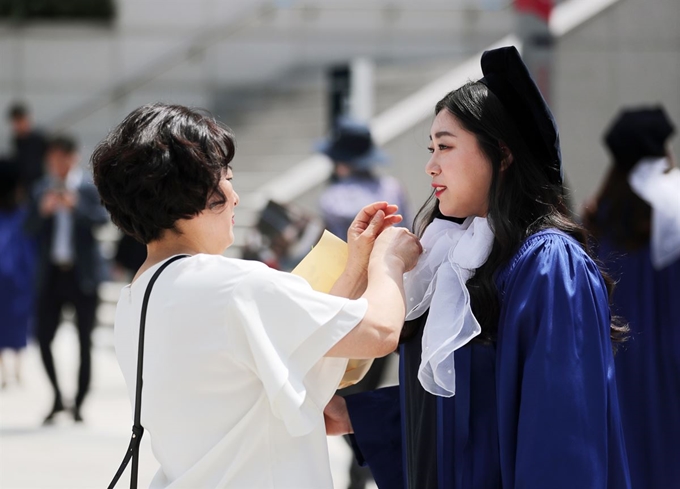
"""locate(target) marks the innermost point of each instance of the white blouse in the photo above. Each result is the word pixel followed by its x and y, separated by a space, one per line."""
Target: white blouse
pixel 235 379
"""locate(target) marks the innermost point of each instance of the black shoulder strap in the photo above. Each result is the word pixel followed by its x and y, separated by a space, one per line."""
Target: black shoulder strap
pixel 137 428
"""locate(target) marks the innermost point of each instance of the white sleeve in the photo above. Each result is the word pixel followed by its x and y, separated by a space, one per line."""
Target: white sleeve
pixel 288 328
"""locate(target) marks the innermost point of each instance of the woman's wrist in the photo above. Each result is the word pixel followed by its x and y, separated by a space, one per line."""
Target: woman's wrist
pixel 356 268
pixel 358 278
pixel 389 264
pixel 351 283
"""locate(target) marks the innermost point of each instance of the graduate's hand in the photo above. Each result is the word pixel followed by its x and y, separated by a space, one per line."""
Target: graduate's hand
pixel 337 417
pixel 365 229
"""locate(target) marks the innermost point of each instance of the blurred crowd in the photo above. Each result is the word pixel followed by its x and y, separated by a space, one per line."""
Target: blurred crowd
pixel 50 259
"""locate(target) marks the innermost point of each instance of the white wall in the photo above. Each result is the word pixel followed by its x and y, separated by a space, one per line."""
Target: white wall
pixel 57 68
pixel 628 55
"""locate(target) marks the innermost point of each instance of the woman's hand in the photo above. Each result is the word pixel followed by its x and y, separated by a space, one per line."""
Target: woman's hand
pixel 337 417
pixel 362 233
pixel 397 246
pixel 361 236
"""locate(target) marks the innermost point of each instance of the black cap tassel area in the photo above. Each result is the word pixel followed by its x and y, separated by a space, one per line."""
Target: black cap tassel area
pixel 508 78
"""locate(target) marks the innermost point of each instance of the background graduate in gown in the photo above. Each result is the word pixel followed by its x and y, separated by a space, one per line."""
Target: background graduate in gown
pixel 507 379
pixel 640 245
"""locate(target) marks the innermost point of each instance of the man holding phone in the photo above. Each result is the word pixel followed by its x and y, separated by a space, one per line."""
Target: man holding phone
pixel 65 208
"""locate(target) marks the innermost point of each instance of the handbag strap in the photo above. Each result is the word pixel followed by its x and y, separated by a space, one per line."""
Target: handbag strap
pixel 137 428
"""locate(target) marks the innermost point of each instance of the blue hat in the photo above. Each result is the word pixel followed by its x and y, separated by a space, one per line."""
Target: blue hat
pixel 508 78
pixel 637 133
pixel 350 142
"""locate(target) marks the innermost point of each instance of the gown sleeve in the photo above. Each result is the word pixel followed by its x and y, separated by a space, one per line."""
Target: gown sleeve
pixel 284 328
pixel 376 419
pixel 559 424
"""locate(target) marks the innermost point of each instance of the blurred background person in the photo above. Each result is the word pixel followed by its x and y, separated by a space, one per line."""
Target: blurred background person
pixel 354 182
pixel 282 236
pixel 28 147
pixel 17 263
pixel 65 208
pixel 640 245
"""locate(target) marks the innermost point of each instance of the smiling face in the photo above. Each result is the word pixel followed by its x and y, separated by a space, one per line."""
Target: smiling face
pixel 461 173
pixel 218 217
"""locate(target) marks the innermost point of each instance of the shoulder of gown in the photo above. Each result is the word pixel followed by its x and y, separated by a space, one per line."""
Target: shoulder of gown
pixel 559 422
pixel 543 251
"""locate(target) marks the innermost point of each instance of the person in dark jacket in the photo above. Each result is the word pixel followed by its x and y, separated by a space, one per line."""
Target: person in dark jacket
pixel 28 147
pixel 64 210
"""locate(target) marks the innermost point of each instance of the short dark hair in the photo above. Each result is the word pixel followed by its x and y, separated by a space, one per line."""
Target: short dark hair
pixel 62 142
pixel 161 164
pixel 17 110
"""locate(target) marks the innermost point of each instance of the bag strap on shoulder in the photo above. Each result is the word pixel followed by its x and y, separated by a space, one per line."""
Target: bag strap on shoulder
pixel 137 428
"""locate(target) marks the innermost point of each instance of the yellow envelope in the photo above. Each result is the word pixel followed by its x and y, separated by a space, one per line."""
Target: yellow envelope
pixel 321 268
pixel 325 263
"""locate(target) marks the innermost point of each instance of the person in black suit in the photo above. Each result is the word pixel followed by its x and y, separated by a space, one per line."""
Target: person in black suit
pixel 65 208
pixel 28 147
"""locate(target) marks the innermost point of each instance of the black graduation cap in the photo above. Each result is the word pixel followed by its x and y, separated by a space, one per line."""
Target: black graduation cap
pixel 637 133
pixel 506 75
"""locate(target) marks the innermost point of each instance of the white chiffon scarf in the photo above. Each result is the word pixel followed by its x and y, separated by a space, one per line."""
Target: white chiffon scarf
pixel 452 252
pixel 651 180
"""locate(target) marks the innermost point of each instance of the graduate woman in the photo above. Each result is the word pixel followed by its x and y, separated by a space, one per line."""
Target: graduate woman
pixel 636 220
pixel 507 363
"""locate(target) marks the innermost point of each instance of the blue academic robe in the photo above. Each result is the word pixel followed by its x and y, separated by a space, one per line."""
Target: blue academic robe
pixel 538 408
pixel 648 364
pixel 17 290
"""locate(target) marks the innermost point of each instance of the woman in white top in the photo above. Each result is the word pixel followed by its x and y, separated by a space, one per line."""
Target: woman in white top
pixel 239 359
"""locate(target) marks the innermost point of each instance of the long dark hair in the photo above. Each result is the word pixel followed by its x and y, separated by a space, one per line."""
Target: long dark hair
pixel 522 199
pixel 619 214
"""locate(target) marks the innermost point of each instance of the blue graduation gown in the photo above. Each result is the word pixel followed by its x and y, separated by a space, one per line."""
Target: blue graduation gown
pixel 18 256
pixel 648 364
pixel 536 409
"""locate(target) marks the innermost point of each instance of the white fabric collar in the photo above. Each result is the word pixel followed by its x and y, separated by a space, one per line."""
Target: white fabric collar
pixel 654 183
pixel 452 253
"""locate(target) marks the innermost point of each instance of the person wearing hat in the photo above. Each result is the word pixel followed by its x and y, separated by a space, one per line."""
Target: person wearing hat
pixel 354 183
pixel 636 220
pixel 507 355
